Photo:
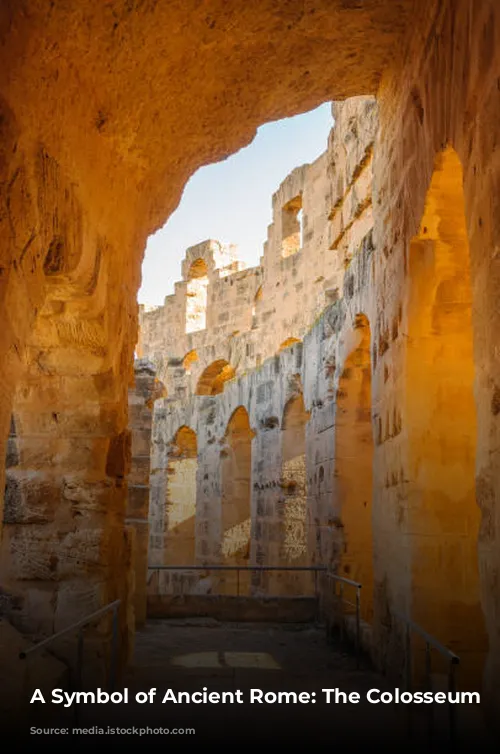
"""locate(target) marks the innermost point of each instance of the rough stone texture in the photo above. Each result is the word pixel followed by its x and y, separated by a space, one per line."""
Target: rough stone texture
pixel 105 112
pixel 257 486
pixel 141 397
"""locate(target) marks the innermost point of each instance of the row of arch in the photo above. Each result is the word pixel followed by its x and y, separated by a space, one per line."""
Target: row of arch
pixel 290 546
pixel 213 378
pixel 435 435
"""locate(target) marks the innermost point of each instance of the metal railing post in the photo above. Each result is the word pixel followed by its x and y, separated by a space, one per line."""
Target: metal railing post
pixel 316 595
pixel 408 675
pixel 114 650
pixel 428 679
pixel 341 603
pixel 451 706
pixel 453 660
pixel 78 673
pixel 358 627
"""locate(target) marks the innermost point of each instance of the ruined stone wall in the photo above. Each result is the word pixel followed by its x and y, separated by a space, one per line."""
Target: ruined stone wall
pixel 292 455
pixel 93 159
pixel 436 134
pixel 252 313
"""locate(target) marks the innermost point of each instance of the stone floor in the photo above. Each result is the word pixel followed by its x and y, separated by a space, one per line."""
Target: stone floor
pixel 191 655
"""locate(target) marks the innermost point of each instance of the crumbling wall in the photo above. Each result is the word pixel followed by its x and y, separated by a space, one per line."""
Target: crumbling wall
pixel 115 158
pixel 251 314
pixel 286 518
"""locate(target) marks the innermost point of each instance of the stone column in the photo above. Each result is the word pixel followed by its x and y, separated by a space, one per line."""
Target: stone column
pixel 65 551
pixel 141 397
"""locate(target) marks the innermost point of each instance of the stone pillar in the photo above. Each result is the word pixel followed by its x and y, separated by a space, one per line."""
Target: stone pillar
pixel 65 552
pixel 141 397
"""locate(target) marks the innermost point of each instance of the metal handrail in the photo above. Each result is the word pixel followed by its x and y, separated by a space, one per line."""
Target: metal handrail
pixel 233 568
pixel 342 580
pixel 429 639
pixel 83 622
pixel 312 569
pixel 80 625
pixel 245 568
pixel 451 657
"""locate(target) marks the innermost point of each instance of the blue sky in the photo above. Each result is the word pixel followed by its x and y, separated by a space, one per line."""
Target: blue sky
pixel 230 201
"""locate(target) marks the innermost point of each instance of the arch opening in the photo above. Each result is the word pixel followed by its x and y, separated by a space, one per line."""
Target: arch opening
pixel 214 377
pixel 236 473
pixel 441 425
pixel 180 505
pixel 257 298
pixel 292 227
pixel 189 359
pixel 293 545
pixel 353 483
pixel 196 296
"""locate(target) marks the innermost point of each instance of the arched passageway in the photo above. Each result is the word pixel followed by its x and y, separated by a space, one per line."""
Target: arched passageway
pixel 212 379
pixel 293 550
pixel 441 425
pixel 236 473
pixel 180 513
pixel 354 466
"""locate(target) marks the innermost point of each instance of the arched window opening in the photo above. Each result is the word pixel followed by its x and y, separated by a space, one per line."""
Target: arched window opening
pixel 180 509
pixel 212 379
pixel 257 298
pixel 353 483
pixel 440 420
pixel 196 297
pixel 189 359
pixel 236 472
pixel 291 227
pixel 293 544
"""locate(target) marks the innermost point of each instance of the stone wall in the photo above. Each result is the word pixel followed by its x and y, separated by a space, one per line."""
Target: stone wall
pixel 419 279
pixel 224 370
pixel 104 116
pixel 142 394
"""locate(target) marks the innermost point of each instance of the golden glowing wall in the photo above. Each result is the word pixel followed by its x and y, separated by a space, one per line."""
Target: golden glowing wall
pixel 442 426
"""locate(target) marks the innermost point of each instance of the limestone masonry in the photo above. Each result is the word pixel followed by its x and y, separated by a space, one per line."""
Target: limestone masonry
pixel 243 462
pixel 337 405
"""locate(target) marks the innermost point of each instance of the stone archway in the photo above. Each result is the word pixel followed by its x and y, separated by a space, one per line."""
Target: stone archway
pixel 213 377
pixel 80 142
pixel 180 506
pixel 236 475
pixel 293 543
